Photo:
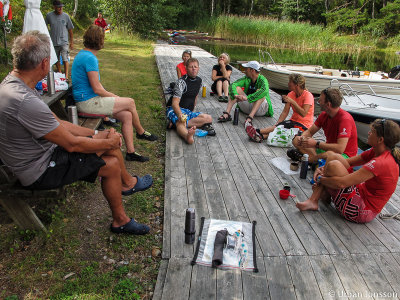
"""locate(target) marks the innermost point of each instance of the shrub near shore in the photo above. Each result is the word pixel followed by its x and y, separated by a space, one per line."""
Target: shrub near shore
pixel 284 34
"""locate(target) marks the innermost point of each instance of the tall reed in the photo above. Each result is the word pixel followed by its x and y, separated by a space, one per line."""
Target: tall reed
pixel 274 33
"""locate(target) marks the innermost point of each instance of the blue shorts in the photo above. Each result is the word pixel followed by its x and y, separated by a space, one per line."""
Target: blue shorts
pixel 173 117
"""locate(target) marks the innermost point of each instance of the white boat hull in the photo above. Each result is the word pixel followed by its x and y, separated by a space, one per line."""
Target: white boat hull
pixel 278 79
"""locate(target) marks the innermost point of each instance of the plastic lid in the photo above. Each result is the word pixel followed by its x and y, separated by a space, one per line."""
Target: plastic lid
pixel 305 155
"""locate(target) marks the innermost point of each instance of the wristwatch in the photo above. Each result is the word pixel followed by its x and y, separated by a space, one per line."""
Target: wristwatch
pixel 317 144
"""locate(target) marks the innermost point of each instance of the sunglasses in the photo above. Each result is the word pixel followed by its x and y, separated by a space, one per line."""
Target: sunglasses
pixel 325 91
pixel 383 121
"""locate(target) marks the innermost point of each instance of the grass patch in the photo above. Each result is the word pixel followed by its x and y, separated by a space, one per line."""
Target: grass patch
pixel 104 265
pixel 277 33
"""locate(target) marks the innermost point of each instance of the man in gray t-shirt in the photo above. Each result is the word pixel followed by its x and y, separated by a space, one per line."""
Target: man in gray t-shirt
pixel 60 30
pixel 45 152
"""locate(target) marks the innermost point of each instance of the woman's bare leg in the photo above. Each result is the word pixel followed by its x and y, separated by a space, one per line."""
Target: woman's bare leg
pixel 219 88
pixel 128 104
pixel 225 87
pixel 127 129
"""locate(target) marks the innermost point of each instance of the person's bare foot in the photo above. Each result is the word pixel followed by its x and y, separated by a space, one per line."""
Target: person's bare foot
pixel 190 134
pixel 130 184
pixel 307 205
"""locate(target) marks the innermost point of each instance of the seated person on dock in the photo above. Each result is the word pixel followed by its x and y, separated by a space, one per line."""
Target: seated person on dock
pixel 182 103
pixel 251 93
pixel 361 195
pixel 221 74
pixel 302 103
pixel 181 67
pixel 92 98
pixel 339 129
pixel 45 152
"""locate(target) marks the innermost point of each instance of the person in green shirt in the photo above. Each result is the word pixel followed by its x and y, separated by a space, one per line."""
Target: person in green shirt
pixel 251 93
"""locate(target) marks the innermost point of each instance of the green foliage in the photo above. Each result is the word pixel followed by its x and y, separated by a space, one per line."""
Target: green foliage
pixel 345 19
pixel 126 289
pixel 136 16
pixel 273 33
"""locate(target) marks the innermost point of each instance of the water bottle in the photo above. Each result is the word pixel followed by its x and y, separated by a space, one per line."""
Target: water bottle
pixel 51 88
pixel 190 226
pixel 236 116
pixel 304 167
pixel 73 114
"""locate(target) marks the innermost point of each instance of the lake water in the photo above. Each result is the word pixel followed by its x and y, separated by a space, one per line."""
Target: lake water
pixel 363 60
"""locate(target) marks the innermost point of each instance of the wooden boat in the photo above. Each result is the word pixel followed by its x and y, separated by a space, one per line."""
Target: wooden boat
pixel 318 78
pixel 366 107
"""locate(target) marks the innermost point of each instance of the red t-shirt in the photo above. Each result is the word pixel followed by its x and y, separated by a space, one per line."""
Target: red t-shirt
pixel 182 68
pixel 102 23
pixel 305 98
pixel 340 126
pixel 377 191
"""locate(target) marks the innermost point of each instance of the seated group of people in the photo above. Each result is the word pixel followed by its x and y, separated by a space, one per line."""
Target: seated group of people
pixel 45 152
pixel 359 196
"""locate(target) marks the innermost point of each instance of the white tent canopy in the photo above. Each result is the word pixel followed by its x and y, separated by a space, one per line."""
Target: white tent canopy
pixel 34 20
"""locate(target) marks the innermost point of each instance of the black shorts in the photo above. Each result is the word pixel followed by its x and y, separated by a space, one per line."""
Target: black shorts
pixel 65 168
pixel 293 124
pixel 214 85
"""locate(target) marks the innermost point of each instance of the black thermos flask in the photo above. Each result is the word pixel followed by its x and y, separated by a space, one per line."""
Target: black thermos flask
pixel 236 116
pixel 190 226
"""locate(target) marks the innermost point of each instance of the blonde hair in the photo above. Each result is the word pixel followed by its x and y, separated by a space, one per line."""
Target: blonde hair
pixel 228 59
pixel 298 79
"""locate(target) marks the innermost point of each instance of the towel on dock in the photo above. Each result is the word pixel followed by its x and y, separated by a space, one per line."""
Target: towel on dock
pixel 237 251
pixel 283 164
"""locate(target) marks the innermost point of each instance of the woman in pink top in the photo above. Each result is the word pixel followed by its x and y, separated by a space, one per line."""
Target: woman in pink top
pixel 181 68
pixel 302 103
pixel 361 195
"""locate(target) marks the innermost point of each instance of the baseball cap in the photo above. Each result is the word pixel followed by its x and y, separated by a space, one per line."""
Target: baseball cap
pixel 57 3
pixel 252 64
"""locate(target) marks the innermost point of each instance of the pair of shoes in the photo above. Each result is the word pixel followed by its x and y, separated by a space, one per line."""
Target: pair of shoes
pixel 294 154
pixel 134 156
pixel 226 100
pixel 147 136
pixel 253 133
pixel 143 183
pixel 223 118
pixel 221 99
pixel 131 227
pixel 111 122
pixel 209 128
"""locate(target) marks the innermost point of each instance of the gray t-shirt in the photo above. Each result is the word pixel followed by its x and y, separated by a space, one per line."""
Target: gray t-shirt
pixel 59 26
pixel 24 120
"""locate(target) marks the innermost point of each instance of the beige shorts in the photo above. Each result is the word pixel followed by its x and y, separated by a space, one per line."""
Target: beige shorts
pixel 246 107
pixel 97 105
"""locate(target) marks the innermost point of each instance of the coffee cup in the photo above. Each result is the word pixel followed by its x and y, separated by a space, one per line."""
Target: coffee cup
pixel 294 166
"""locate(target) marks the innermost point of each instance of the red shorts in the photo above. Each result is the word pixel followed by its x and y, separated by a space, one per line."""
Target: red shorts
pixel 351 205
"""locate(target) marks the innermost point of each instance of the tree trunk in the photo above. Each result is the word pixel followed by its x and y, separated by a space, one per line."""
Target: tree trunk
pixel 373 10
pixel 384 3
pixel 75 9
pixel 354 23
pixel 251 7
pixel 326 6
pixel 229 7
pixel 297 10
pixel 212 7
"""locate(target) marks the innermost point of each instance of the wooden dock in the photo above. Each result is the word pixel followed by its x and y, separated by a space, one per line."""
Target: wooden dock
pixel 301 255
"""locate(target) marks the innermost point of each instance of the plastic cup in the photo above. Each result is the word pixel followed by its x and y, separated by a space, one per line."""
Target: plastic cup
pixel 284 194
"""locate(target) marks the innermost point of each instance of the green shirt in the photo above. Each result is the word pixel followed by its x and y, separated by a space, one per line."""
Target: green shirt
pixel 262 88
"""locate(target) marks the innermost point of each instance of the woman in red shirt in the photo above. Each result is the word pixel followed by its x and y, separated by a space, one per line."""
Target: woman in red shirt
pixel 100 21
pixel 361 195
pixel 181 68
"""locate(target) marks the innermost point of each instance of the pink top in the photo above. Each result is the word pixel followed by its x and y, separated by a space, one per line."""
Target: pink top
pixel 305 98
pixel 182 68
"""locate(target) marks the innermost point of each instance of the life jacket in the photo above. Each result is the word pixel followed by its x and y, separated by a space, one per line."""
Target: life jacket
pixel 5 10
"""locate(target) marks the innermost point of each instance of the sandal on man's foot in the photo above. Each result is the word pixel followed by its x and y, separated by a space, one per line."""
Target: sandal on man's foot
pixel 143 183
pixel 223 118
pixel 253 133
pixel 209 128
pixel 132 227
pixel 294 154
